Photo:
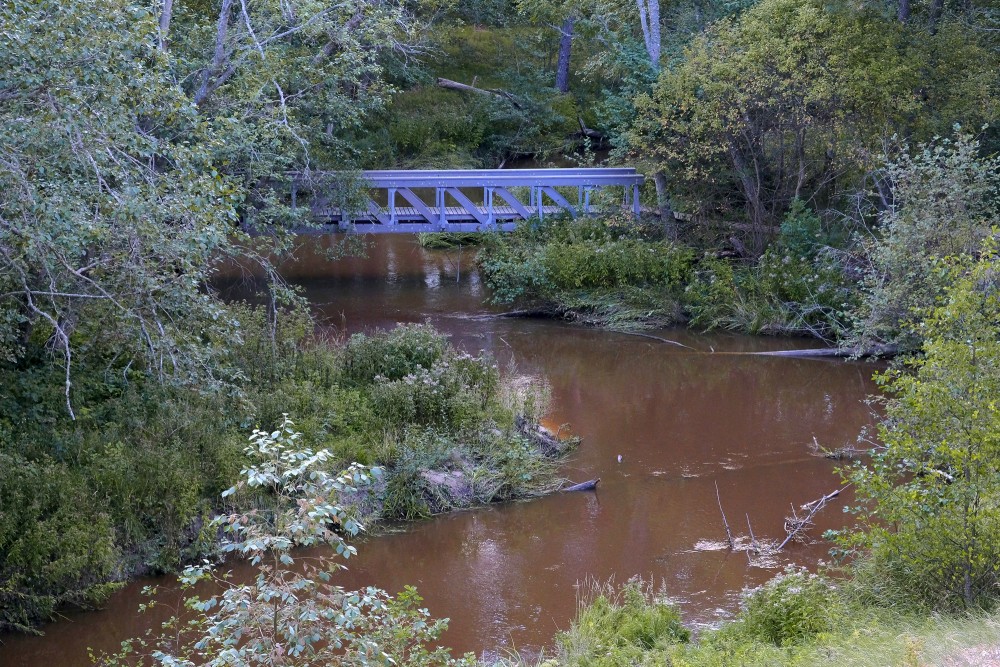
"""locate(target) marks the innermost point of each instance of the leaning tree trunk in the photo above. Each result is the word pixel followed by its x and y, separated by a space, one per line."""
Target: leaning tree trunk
pixel 565 47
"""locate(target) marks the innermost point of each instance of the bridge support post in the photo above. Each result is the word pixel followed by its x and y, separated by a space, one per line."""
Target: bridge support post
pixel 442 213
pixel 635 200
pixel 392 206
pixel 345 215
pixel 491 218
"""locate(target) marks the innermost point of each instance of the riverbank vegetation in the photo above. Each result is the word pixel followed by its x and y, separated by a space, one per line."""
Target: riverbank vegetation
pixel 796 619
pixel 128 485
pixel 862 283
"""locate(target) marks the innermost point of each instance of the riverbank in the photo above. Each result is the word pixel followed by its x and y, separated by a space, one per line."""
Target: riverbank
pixel 797 619
pixel 619 273
pixel 136 478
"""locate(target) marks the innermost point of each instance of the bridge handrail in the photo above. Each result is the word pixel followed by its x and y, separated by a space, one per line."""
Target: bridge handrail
pixel 490 177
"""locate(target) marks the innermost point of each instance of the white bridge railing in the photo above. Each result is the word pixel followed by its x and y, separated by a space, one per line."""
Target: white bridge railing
pixel 463 200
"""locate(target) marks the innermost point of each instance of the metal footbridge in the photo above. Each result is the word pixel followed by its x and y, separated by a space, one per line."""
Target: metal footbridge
pixel 459 200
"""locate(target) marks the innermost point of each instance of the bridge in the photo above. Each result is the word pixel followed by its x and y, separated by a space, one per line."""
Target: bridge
pixel 464 200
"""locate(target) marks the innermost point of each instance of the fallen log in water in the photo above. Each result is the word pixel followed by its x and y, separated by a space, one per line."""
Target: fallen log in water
pixel 876 351
pixel 589 485
pixel 546 442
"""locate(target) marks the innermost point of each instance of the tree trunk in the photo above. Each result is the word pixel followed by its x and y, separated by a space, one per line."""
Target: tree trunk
pixel 649 19
pixel 667 218
pixel 903 11
pixel 219 57
pixel 565 47
pixel 751 192
pixel 937 8
pixel 165 16
pixel 455 85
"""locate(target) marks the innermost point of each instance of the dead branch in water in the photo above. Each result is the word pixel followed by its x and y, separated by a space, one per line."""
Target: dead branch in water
pixel 652 337
pixel 877 351
pixel 753 542
pixel 794 525
pixel 729 534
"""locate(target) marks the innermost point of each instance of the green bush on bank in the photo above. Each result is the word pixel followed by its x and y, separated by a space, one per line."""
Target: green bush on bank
pixel 590 268
pixel 129 485
pixel 619 271
pixel 798 286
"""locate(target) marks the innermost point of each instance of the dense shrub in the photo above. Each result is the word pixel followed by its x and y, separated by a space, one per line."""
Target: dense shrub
pixel 392 356
pixel 57 544
pixel 928 512
pixel 943 201
pixel 594 267
pixel 789 609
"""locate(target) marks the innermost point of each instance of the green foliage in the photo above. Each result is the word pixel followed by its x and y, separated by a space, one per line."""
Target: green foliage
pixel 928 501
pixel 570 265
pixel 391 356
pixel 944 198
pixel 57 543
pixel 290 614
pixel 92 234
pixel 780 294
pixel 127 487
pixel 794 98
pixel 448 240
pixel 789 609
pixel 621 627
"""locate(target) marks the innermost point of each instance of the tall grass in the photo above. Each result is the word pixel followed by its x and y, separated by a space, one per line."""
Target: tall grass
pixel 797 620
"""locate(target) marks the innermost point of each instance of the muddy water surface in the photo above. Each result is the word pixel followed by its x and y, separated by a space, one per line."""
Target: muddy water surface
pixel 683 419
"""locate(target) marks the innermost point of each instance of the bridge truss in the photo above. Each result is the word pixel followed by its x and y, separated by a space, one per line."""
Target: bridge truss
pixel 463 200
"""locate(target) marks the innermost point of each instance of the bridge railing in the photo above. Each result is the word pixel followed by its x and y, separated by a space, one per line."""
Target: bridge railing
pixel 333 197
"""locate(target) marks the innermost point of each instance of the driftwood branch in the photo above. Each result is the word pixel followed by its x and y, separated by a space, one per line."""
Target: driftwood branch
pixel 466 88
pixel 795 525
pixel 753 541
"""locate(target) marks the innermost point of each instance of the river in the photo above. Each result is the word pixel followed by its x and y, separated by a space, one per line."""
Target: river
pixel 683 420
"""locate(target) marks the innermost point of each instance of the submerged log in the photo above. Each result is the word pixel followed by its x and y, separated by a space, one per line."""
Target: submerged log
pixel 589 485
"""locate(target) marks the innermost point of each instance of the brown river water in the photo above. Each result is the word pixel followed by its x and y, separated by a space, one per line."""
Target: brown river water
pixel 682 420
